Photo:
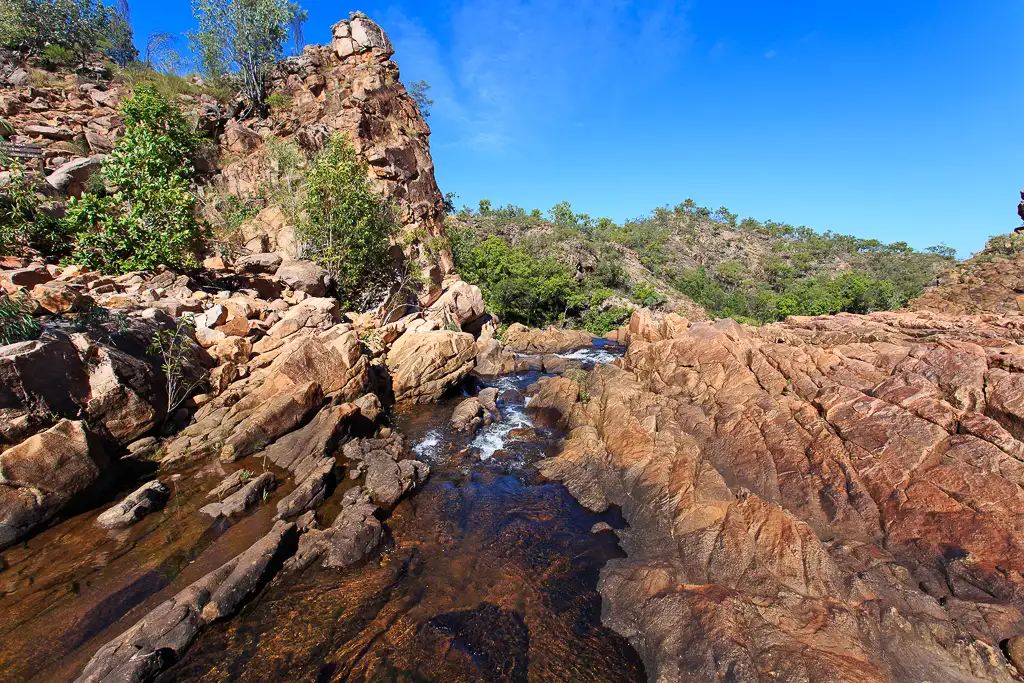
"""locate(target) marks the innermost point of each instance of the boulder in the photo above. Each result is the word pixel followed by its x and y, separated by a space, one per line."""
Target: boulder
pixel 71 178
pixel 304 276
pixel 251 491
pixel 522 339
pixel 144 500
pixel 164 634
pixel 259 263
pixel 43 474
pixel 493 359
pixel 353 535
pixel 270 230
pixel 389 473
pixel 476 412
pixel 425 365
pixel 276 417
pixel 552 400
pixel 459 305
pixel 59 298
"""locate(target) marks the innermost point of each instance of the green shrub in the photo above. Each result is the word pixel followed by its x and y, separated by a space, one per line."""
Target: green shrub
pixel 647 296
pixel 22 223
pixel 150 220
pixel 16 321
pixel 347 227
pixel 55 56
pixel 279 101
pixel 601 322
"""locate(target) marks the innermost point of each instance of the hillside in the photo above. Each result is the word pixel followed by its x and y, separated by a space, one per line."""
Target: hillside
pixel 700 263
pixel 991 281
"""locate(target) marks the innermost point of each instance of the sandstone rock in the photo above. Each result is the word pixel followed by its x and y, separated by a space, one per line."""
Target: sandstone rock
pixel 49 132
pixel 425 365
pixel 389 473
pixel 460 304
pixel 270 230
pixel 232 350
pixel 41 475
pixel 522 339
pixel 304 276
pixel 163 635
pixel 353 535
pixel 722 442
pixel 259 263
pixel 476 412
pixel 24 277
pixel 144 500
pixel 250 492
pixel 493 359
pixel 59 298
pixel 552 400
pixel 239 139
pixel 309 492
pixel 273 419
pixel 71 178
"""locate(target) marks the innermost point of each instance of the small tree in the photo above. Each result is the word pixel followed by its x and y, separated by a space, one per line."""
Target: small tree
pixel 173 347
pixel 419 90
pixel 150 221
pixel 298 20
pixel 244 38
pixel 161 54
pixel 346 226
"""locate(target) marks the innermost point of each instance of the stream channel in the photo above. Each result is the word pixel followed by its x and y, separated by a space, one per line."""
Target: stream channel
pixel 489 572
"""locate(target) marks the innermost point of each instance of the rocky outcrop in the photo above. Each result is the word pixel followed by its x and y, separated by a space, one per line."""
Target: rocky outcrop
pixel 988 283
pixel 522 339
pixel 352 87
pixel 824 499
pixel 424 365
pixel 493 359
pixel 459 305
pixel 43 474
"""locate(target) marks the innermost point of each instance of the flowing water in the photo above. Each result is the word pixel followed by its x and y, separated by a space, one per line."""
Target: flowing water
pixel 489 574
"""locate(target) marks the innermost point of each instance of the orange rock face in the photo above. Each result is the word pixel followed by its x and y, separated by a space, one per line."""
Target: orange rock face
pixel 831 498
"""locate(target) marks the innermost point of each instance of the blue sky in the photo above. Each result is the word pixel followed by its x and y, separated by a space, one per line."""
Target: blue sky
pixel 894 120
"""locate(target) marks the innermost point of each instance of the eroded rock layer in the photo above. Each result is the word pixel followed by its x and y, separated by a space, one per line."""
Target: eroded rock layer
pixel 824 499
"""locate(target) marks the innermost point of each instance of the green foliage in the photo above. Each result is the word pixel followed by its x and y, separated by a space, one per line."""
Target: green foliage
pixel 279 101
pixel 16 321
pixel 243 39
pixel 67 31
pixel 601 322
pixel 516 286
pixel 173 346
pixel 611 272
pixel 346 226
pixel 22 222
pixel 647 296
pixel 150 220
pixel 55 56
pixel 418 90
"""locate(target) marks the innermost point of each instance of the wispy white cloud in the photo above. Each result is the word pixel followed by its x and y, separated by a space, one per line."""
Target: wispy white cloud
pixel 771 54
pixel 510 66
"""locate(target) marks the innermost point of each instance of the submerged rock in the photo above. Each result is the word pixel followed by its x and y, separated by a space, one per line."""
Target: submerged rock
pixel 163 635
pixel 144 500
pixel 253 489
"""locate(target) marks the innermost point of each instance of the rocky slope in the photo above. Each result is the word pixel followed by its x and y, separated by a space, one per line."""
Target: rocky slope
pixel 832 498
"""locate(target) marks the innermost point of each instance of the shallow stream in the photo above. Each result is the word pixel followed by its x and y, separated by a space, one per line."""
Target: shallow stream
pixel 489 573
